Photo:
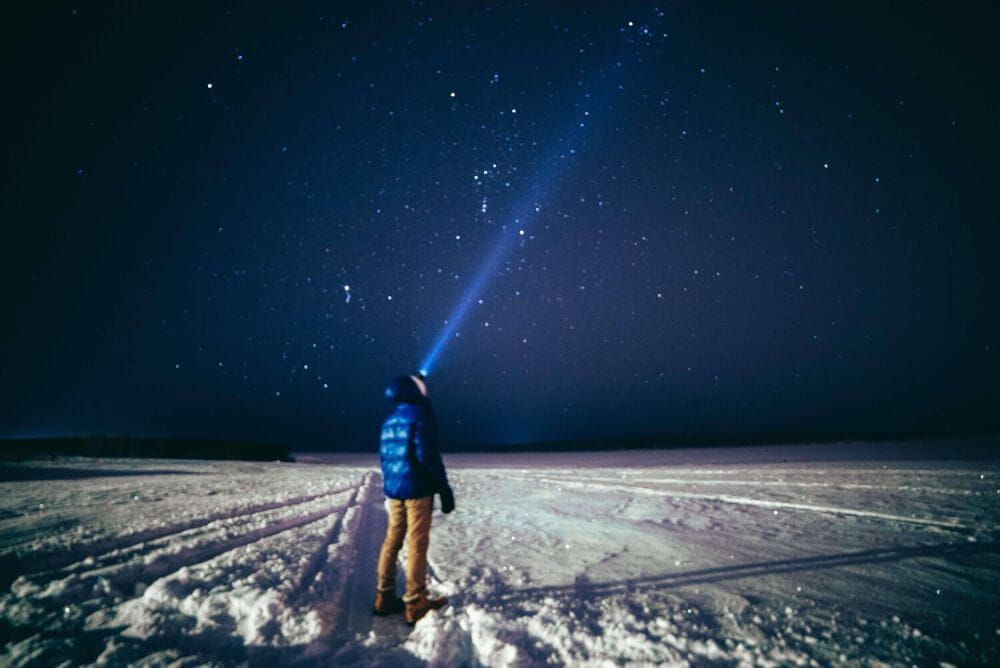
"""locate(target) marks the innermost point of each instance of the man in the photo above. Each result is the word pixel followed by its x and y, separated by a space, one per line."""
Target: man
pixel 412 473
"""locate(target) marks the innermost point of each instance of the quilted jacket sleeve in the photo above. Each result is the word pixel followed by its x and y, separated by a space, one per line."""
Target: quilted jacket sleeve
pixel 428 454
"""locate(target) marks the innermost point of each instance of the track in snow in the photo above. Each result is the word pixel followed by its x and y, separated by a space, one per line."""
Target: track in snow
pixel 144 561
pixel 586 483
pixel 760 569
pixel 303 568
pixel 102 549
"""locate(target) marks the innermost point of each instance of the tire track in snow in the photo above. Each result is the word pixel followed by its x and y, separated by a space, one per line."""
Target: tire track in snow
pixel 362 636
pixel 780 483
pixel 101 590
pixel 265 597
pixel 760 569
pixel 144 562
pixel 59 557
pixel 314 570
pixel 761 503
pixel 337 591
pixel 361 591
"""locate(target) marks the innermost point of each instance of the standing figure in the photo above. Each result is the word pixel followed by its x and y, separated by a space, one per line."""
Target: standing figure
pixel 412 473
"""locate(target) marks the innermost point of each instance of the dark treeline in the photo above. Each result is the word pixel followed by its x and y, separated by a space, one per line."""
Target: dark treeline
pixel 143 447
pixel 715 440
pixel 176 448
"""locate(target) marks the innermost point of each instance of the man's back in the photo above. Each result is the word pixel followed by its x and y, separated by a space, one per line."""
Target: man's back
pixel 412 473
pixel 402 475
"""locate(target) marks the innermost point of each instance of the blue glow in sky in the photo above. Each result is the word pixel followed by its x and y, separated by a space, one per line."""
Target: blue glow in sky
pixel 565 150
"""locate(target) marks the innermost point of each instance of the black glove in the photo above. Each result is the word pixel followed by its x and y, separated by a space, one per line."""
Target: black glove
pixel 447 500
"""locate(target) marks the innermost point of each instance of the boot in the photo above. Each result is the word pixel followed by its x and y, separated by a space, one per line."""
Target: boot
pixel 419 607
pixel 386 603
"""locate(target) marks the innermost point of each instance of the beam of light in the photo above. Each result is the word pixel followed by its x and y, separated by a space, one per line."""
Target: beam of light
pixel 567 151
pixel 468 298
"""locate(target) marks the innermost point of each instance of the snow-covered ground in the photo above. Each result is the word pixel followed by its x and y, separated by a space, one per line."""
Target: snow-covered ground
pixel 752 556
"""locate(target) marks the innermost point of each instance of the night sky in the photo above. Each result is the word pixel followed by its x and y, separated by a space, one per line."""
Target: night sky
pixel 240 221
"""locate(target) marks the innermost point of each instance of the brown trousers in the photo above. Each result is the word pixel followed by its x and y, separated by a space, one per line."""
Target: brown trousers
pixel 409 520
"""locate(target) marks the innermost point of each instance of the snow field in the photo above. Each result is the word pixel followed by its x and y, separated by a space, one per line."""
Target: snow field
pixel 255 573
pixel 807 564
pixel 695 562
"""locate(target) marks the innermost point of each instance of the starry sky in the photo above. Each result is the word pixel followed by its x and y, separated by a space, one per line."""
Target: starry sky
pixel 240 220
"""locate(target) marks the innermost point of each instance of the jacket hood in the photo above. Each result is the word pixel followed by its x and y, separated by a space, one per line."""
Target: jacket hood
pixel 404 390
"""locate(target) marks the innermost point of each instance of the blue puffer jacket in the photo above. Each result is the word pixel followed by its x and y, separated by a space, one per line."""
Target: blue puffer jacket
pixel 411 462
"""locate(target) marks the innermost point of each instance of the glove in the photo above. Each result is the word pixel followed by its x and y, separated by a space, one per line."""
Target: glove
pixel 447 500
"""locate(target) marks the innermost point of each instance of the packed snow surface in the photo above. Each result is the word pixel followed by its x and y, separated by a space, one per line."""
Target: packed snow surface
pixel 810 555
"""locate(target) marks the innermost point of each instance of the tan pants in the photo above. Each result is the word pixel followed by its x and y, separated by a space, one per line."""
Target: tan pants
pixel 409 519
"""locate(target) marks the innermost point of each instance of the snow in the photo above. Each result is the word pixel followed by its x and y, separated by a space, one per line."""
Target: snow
pixel 855 553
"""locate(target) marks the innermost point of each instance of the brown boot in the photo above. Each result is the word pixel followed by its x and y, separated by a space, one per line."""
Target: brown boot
pixel 386 603
pixel 417 608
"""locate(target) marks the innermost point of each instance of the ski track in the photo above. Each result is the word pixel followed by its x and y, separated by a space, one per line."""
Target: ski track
pixel 781 484
pixel 178 565
pixel 330 588
pixel 329 557
pixel 327 612
pixel 361 587
pixel 56 557
pixel 158 556
pixel 778 505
